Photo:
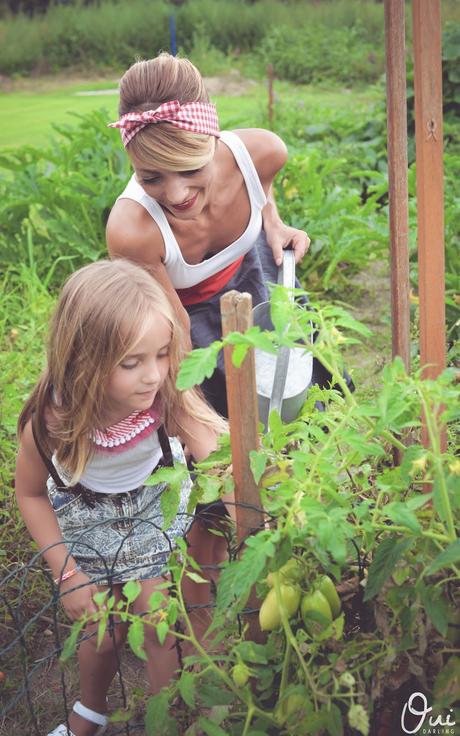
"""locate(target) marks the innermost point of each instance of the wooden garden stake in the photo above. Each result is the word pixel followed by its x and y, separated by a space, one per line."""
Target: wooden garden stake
pixel 395 59
pixel 397 176
pixel 430 188
pixel 236 313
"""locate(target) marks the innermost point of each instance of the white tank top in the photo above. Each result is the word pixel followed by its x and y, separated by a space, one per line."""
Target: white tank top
pixel 183 275
pixel 124 456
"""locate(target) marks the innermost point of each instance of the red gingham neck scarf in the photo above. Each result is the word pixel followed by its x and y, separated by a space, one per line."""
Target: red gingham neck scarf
pixel 198 117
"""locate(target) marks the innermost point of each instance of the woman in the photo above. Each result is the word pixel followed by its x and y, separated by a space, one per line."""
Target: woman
pixel 199 211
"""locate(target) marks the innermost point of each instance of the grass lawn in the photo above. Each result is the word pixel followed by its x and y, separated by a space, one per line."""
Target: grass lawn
pixel 30 111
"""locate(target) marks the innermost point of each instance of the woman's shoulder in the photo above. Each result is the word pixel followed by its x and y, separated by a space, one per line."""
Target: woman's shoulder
pixel 267 150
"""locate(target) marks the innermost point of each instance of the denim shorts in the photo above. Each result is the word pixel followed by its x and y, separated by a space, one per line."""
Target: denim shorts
pixel 119 537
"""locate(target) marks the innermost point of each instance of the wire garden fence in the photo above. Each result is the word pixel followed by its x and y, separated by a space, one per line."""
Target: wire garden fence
pixel 38 689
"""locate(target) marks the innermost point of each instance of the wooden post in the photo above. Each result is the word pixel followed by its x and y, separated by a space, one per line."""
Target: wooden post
pixel 395 44
pixel 270 95
pixel 236 312
pixel 430 189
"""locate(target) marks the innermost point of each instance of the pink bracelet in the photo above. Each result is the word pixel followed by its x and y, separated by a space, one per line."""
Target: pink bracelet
pixel 67 575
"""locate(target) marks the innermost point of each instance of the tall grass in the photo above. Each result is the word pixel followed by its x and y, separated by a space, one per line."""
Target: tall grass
pixel 113 33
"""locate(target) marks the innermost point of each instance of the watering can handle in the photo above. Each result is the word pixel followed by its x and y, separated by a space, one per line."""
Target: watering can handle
pixel 286 272
pixel 286 277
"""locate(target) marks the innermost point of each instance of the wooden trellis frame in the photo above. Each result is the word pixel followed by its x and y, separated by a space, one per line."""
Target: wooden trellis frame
pixel 430 189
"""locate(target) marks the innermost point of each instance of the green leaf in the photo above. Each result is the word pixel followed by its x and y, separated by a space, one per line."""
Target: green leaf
pixel 447 683
pixel 258 461
pixel 136 638
pixel 198 365
pixel 239 353
pixel 436 607
pixel 156 715
pixel 70 643
pixel 131 590
pixel 249 651
pixel 162 630
pixel 196 578
pixel 388 553
pixel 156 600
pixel 446 558
pixel 238 577
pixel 101 629
pixel 212 695
pixel 186 685
pixel 210 728
pixel 209 488
pixel 358 719
pixel 174 477
pixel 401 515
pixel 334 723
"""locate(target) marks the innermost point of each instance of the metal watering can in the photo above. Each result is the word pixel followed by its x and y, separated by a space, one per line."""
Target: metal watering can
pixel 282 380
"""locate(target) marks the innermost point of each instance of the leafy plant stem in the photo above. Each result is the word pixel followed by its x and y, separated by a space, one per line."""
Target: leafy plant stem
pixel 424 533
pixel 433 433
pixel 248 720
pixel 290 638
pixel 219 672
pixel 284 674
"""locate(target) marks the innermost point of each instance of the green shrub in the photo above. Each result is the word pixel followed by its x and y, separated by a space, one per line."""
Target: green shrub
pixel 61 198
pixel 313 54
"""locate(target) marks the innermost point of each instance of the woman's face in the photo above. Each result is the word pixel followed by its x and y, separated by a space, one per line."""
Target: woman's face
pixel 182 193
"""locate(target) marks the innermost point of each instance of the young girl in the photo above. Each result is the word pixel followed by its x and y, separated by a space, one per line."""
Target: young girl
pixel 103 416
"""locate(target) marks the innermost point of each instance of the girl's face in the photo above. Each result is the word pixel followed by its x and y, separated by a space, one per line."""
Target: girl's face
pixel 183 193
pixel 134 383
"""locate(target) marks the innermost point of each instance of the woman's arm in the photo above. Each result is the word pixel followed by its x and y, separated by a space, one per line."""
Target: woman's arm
pixel 269 155
pixel 40 519
pixel 132 234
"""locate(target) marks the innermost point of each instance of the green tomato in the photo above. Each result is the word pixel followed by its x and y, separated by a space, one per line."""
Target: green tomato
pixel 290 596
pixel 240 674
pixel 294 704
pixel 327 588
pixel 315 603
pixel 270 613
pixel 290 572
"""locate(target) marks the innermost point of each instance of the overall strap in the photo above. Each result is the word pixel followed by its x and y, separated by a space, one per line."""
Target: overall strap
pixel 165 446
pixel 36 424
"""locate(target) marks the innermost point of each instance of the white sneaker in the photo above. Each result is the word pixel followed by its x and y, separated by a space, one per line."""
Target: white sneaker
pixel 89 715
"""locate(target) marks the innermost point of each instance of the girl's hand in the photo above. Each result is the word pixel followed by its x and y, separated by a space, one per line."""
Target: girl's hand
pixel 280 236
pixel 78 600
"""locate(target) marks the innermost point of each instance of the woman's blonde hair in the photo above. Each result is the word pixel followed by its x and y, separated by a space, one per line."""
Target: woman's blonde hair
pixel 100 315
pixel 145 86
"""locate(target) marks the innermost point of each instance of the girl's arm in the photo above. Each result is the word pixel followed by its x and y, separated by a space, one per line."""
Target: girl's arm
pixel 40 519
pixel 201 441
pixel 269 155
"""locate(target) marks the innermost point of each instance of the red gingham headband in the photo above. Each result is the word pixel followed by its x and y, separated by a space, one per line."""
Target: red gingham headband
pixel 198 117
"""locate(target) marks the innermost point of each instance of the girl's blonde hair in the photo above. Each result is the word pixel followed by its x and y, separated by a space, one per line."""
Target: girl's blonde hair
pixel 145 86
pixel 101 313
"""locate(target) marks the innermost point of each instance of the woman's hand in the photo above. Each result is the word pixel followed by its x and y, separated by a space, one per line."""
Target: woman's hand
pixel 281 236
pixel 76 595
